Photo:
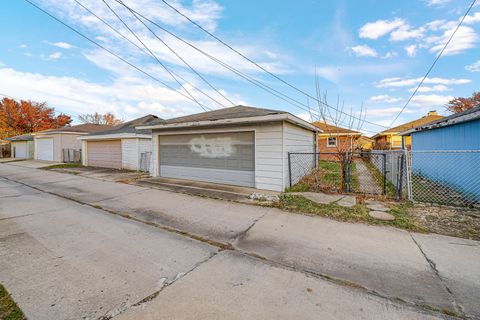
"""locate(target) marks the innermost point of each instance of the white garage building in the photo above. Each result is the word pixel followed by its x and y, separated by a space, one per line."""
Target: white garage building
pixel 240 145
pixel 21 146
pixel 49 144
pixel 120 147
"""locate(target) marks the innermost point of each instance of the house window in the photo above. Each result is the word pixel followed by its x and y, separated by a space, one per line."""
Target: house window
pixel 331 141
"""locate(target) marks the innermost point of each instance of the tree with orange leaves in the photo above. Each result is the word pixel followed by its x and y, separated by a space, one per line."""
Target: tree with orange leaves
pixel 461 104
pixel 21 117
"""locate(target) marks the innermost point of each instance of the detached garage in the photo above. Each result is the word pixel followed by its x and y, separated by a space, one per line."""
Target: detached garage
pixel 21 146
pixel 241 146
pixel 50 145
pixel 121 147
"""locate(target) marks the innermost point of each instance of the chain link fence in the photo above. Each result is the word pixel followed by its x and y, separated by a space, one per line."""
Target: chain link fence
pixel 357 172
pixel 71 156
pixel 145 161
pixel 448 177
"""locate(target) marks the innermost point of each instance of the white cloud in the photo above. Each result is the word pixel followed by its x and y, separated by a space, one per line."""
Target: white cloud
pixel 400 82
pixel 433 3
pixel 465 38
pixel 390 54
pixel 364 51
pixel 384 112
pixel 125 97
pixel 405 32
pixel 23 46
pixel 437 88
pixel 430 101
pixel 55 56
pixel 63 45
pixel 471 19
pixel 411 50
pixel 379 28
pixel 305 116
pixel 385 99
pixel 474 67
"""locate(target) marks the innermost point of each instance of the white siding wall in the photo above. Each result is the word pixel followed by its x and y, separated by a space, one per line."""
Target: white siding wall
pixel 130 154
pixel 60 141
pixel 297 139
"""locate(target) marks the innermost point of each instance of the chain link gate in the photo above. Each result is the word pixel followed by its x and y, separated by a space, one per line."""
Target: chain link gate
pixel 373 173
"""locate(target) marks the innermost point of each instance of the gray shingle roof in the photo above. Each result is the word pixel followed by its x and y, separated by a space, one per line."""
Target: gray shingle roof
pixel 81 128
pixel 221 114
pixel 129 127
pixel 23 137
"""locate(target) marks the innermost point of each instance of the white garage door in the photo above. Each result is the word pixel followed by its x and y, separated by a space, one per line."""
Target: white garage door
pixel 227 158
pixel 19 149
pixel 105 154
pixel 45 149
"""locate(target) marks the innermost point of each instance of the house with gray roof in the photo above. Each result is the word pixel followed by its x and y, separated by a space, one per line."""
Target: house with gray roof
pixel 242 146
pixel 21 146
pixel 120 147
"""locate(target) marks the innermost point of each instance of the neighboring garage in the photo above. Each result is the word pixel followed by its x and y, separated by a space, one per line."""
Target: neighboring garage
pixel 50 145
pixel 21 146
pixel 241 146
pixel 120 147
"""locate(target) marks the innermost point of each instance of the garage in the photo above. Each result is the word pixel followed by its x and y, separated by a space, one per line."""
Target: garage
pixel 45 149
pixel 19 149
pixel 227 158
pixel 105 154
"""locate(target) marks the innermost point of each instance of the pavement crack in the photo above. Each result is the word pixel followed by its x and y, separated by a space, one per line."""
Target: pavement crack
pixel 433 266
pixel 242 234
pixel 113 313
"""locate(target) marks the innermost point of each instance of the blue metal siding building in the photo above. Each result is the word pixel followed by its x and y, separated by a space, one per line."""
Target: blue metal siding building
pixel 462 136
pixel 447 153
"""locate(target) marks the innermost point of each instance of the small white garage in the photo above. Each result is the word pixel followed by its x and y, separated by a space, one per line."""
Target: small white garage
pixel 50 145
pixel 21 146
pixel 240 146
pixel 121 147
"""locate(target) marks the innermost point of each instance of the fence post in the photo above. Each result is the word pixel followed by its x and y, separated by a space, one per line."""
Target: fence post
pixel 384 173
pixel 400 177
pixel 290 169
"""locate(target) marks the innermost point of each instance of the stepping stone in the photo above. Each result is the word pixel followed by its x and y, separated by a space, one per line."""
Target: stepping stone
pixel 347 201
pixel 318 197
pixel 380 215
pixel 377 206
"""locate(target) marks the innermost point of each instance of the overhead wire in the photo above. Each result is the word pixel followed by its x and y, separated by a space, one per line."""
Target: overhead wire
pixel 248 78
pixel 260 66
pixel 108 50
pixel 143 50
pixel 205 108
pixel 433 64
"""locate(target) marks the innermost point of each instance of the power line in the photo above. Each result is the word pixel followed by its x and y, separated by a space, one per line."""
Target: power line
pixel 433 64
pixel 106 49
pixel 142 49
pixel 261 67
pixel 156 58
pixel 255 82
pixel 179 57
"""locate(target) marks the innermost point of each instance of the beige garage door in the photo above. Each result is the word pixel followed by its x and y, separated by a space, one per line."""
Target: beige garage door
pixel 106 154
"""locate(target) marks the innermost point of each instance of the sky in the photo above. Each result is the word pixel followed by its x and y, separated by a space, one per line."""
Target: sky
pixel 364 57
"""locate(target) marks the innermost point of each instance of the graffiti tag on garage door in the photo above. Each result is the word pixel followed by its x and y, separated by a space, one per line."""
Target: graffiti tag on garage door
pixel 212 148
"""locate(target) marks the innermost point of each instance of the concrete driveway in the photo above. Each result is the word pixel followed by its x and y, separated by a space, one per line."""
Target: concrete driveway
pixel 169 258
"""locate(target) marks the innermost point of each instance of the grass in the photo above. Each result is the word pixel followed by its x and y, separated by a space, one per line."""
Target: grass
pixel 358 213
pixel 8 308
pixel 63 165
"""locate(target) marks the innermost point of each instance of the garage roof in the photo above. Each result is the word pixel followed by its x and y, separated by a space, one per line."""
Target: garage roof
pixel 232 115
pixel 128 127
pixel 23 137
pixel 81 128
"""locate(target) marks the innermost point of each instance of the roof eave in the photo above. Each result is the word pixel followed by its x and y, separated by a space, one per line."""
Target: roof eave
pixel 247 120
pixel 115 136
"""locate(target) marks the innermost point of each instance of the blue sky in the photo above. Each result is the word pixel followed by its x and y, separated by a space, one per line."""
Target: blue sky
pixel 365 52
